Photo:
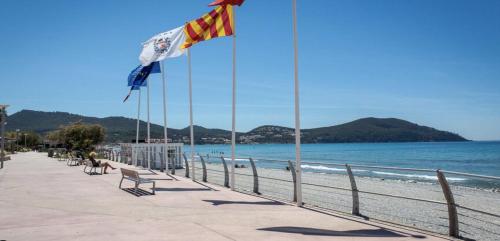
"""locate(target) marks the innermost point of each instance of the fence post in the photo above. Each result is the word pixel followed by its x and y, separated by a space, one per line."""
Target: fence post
pixel 294 179
pixel 226 172
pixel 255 177
pixel 162 160
pixel 144 156
pixel 452 209
pixel 186 163
pixel 354 189
pixel 204 178
pixel 173 163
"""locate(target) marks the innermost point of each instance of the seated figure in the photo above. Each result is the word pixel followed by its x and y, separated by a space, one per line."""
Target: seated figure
pixel 95 163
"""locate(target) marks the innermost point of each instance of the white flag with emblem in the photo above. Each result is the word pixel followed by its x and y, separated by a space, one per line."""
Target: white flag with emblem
pixel 163 45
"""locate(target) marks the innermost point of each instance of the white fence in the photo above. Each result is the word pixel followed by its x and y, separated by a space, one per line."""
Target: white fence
pixel 137 155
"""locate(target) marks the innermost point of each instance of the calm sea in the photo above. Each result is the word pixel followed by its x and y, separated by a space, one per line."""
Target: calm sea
pixel 472 157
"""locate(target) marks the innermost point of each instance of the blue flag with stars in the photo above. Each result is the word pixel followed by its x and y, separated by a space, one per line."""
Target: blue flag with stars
pixel 137 78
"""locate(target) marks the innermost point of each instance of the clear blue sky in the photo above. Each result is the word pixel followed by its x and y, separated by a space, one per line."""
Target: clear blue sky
pixel 433 62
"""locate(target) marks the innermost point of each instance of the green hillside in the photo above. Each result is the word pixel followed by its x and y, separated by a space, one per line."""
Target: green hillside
pixel 121 129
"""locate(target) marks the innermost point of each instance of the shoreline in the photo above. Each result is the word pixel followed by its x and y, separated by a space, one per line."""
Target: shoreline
pixel 408 176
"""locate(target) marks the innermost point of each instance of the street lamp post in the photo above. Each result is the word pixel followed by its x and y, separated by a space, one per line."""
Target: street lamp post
pixel 17 139
pixel 3 118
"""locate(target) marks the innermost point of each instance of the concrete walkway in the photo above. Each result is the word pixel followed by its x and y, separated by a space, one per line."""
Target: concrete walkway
pixel 43 199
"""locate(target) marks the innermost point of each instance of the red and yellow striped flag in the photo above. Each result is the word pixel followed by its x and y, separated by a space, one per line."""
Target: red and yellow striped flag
pixel 217 23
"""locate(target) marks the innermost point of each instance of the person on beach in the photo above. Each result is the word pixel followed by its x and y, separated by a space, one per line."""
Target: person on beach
pixel 95 163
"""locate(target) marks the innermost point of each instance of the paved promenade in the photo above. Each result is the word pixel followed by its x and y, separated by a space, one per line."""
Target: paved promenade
pixel 43 199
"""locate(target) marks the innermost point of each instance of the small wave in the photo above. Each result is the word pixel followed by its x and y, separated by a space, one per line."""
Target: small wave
pixel 427 177
pixel 323 168
pixel 238 159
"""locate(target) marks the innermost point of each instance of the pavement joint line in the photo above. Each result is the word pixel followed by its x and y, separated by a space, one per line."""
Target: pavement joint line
pixel 215 231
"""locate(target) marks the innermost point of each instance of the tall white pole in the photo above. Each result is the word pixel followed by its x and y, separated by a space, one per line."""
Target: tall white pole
pixel 3 118
pixel 138 125
pixel 165 139
pixel 191 130
pixel 149 131
pixel 298 167
pixel 233 131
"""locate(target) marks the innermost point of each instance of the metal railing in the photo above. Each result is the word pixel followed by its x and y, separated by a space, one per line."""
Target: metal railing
pixel 342 187
pixel 438 207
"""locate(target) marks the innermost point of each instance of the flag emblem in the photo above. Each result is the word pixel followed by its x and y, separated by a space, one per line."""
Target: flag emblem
pixel 161 45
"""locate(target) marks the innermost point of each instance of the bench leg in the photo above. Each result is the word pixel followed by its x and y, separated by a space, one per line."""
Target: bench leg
pixel 154 187
pixel 136 188
pixel 120 186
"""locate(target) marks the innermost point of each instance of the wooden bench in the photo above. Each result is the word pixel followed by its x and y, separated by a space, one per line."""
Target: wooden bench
pixel 92 169
pixel 133 176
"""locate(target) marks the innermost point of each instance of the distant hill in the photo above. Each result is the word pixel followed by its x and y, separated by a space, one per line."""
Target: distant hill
pixel 121 129
pixel 378 130
pixel 118 129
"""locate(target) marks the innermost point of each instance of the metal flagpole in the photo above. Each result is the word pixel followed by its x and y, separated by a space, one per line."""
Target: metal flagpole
pixel 191 131
pixel 298 168
pixel 149 131
pixel 165 140
pixel 138 125
pixel 233 131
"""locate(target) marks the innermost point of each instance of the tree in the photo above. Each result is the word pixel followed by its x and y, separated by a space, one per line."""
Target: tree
pixel 30 139
pixel 80 136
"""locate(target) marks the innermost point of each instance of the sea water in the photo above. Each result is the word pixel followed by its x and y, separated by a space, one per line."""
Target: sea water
pixel 476 157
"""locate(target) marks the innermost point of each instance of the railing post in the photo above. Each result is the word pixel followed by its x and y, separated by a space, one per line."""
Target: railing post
pixel 452 209
pixel 226 172
pixel 186 163
pixel 204 166
pixel 354 189
pixel 294 179
pixel 255 177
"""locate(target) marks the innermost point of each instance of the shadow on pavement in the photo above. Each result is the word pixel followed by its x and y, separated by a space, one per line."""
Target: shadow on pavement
pixel 222 202
pixel 139 193
pixel 165 189
pixel 347 233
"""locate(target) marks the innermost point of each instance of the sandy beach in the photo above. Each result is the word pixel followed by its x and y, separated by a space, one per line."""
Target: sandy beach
pixel 418 214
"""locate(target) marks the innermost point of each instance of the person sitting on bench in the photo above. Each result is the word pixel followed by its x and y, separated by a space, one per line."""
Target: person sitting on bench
pixel 99 164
